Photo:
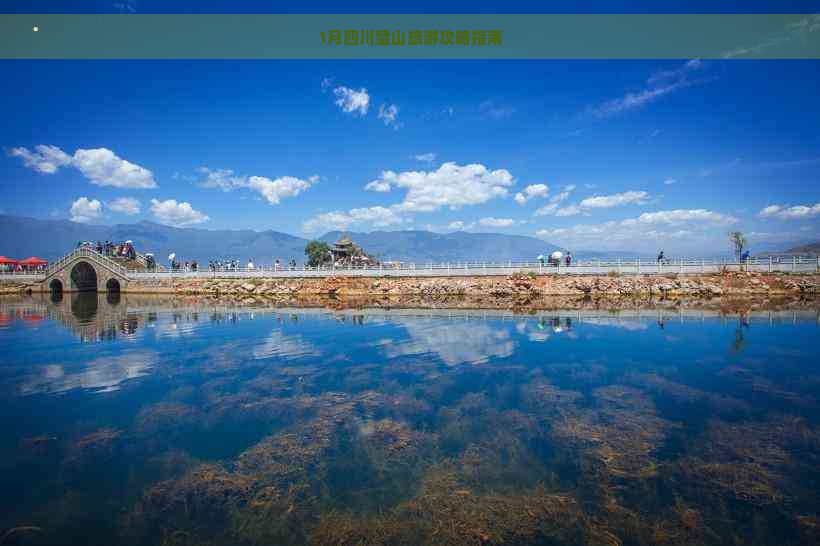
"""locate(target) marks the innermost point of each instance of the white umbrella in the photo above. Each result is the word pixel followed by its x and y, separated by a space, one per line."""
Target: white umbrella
pixel 540 257
pixel 129 241
pixel 149 254
pixel 556 255
pixel 171 256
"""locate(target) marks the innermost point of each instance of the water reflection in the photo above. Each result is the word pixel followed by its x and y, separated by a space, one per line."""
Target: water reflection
pixel 207 422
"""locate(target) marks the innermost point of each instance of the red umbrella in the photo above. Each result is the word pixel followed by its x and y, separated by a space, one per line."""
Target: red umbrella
pixel 33 261
pixel 7 261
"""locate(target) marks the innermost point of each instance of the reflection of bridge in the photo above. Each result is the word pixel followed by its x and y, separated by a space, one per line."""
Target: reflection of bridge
pixel 85 270
pixel 92 317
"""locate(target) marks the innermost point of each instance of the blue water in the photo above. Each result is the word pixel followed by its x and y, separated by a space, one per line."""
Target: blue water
pixel 151 421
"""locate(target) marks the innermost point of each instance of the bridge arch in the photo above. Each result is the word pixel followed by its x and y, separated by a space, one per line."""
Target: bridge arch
pixel 83 277
pixel 112 286
pixel 55 286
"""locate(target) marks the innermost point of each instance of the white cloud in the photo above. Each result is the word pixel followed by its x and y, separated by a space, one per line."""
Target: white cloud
pixel 785 212
pixel 44 159
pixel 100 166
pixel 496 222
pixel 176 214
pixel 389 114
pixel 532 191
pixel 457 225
pixel 276 190
pixel 570 210
pixel 125 205
pixel 339 220
pixel 661 83
pixel 684 227
pixel 85 210
pixel 614 200
pixel 429 157
pixel 552 207
pixel 450 185
pixel 670 181
pixel 377 186
pixel 352 101
pixel 682 216
pixel 104 168
pixel 272 190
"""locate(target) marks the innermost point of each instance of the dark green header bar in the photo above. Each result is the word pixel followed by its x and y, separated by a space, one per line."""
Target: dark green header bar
pixel 779 36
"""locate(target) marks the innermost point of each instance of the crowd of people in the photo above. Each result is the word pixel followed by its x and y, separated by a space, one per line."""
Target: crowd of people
pixel 111 249
pixel 236 265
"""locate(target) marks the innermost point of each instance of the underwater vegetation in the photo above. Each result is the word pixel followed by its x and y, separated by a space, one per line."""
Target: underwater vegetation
pixel 283 438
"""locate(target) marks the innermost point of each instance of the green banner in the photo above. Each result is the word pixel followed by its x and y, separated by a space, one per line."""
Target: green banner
pixel 789 36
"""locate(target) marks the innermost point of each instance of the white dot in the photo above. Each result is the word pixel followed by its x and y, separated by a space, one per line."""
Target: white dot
pixel 35 29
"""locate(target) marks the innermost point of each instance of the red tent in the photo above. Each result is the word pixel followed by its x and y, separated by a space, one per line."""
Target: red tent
pixel 7 261
pixel 33 261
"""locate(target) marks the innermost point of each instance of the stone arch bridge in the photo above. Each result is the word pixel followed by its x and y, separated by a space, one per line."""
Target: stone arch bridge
pixel 85 270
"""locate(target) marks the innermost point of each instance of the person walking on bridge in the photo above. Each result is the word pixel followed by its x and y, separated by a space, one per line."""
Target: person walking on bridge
pixel 660 257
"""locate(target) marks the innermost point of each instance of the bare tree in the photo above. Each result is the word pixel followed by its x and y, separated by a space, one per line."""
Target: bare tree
pixel 738 242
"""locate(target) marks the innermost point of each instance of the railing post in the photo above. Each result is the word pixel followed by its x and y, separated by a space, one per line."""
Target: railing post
pixel 794 264
pixel 638 265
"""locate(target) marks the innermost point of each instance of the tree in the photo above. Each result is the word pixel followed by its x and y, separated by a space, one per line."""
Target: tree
pixel 317 253
pixel 738 242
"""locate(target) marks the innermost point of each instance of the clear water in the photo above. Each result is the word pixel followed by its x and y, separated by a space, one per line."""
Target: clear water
pixel 149 421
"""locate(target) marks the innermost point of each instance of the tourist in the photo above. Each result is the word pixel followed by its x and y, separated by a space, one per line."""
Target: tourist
pixel 568 259
pixel 250 265
pixel 276 265
pixel 660 257
pixel 99 247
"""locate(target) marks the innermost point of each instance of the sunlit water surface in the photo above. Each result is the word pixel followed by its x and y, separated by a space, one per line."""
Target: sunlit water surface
pixel 163 422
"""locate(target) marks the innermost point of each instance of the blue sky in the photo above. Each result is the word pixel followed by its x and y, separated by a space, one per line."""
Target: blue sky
pixel 633 154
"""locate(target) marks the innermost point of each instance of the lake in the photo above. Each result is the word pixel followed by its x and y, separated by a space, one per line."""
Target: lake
pixel 170 422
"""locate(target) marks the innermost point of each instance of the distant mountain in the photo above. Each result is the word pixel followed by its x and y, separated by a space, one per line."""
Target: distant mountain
pixel 21 237
pixel 802 249
pixel 50 239
pixel 426 246
pixel 812 249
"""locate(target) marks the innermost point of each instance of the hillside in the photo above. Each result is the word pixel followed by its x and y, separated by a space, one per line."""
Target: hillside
pixel 21 237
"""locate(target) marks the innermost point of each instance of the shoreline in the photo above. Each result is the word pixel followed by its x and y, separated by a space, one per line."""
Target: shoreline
pixel 515 286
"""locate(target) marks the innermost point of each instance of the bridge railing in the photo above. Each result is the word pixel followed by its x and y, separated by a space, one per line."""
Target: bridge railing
pixel 795 264
pixel 85 252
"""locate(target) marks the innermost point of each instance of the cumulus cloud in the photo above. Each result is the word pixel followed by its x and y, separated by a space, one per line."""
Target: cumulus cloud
pixel 85 210
pixel 670 181
pixel 552 208
pixel 532 191
pixel 352 101
pixel 100 166
pixel 614 200
pixel 458 225
pixel 786 212
pixel 377 186
pixel 496 222
pixel 660 84
pixel 452 186
pixel 595 202
pixel 125 205
pixel 176 214
pixel 389 114
pixel 45 158
pixel 273 190
pixel 429 157
pixel 276 190
pixel 682 216
pixel 684 226
pixel 339 220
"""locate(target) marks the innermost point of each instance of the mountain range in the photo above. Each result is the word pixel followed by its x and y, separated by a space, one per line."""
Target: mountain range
pixel 21 237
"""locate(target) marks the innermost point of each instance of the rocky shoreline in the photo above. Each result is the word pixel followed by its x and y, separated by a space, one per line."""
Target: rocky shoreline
pixel 518 286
